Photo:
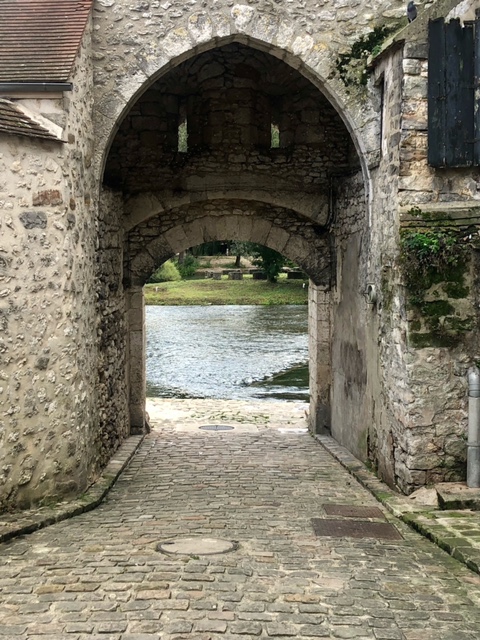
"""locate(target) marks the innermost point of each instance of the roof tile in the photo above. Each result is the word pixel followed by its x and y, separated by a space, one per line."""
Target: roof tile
pixel 39 39
pixel 14 122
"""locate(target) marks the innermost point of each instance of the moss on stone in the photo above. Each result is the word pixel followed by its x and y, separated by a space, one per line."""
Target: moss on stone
pixel 435 257
pixel 433 339
pixel 456 290
pixel 352 65
pixel 437 309
pixel 415 325
pixel 428 216
pixel 460 324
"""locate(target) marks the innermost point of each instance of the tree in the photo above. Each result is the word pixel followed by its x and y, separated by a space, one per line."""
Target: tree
pixel 270 261
pixel 167 272
pixel 239 249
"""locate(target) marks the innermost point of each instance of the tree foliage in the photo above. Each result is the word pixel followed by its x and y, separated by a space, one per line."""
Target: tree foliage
pixel 167 272
pixel 269 260
pixel 188 266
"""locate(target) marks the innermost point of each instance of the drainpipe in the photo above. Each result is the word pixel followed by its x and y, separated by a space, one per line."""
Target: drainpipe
pixel 35 87
pixel 473 446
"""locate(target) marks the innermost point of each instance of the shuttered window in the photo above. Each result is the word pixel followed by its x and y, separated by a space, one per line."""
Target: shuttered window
pixel 453 81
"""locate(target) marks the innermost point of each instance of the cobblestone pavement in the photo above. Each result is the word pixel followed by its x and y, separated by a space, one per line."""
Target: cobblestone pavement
pixel 98 575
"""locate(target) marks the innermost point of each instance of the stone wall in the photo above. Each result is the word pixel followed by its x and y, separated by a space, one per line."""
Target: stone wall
pixel 135 44
pixel 113 413
pixel 351 367
pixel 338 189
pixel 442 328
pixel 151 242
pixel 426 346
pixel 389 388
pixel 47 302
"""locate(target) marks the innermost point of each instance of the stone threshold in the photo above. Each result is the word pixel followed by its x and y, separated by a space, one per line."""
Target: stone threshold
pixel 20 523
pixel 455 531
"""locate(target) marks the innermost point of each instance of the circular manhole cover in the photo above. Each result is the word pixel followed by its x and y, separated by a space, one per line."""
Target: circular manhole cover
pixel 216 427
pixel 196 546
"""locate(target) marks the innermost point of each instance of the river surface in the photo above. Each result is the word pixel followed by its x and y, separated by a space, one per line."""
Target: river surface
pixel 230 352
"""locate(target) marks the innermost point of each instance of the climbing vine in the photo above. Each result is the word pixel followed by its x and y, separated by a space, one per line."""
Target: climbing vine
pixel 352 65
pixel 430 256
pixel 434 264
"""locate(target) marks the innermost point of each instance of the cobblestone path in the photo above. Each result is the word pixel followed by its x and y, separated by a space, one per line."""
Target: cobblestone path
pixel 99 576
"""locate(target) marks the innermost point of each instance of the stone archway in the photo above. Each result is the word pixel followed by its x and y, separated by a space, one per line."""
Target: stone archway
pixel 308 248
pixel 273 31
pixel 303 196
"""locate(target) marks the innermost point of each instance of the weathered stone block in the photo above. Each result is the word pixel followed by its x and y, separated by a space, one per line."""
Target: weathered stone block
pixel 48 197
pixel 33 219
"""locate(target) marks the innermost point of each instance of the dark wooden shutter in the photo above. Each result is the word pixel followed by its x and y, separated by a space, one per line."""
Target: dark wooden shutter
pixel 476 96
pixel 436 93
pixel 451 98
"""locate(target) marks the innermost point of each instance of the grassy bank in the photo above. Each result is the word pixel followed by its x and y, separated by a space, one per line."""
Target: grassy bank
pixel 225 291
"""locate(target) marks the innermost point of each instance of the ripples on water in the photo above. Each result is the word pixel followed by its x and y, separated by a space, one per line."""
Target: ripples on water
pixel 236 352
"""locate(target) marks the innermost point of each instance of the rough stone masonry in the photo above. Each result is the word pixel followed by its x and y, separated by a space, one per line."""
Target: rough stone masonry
pixel 98 187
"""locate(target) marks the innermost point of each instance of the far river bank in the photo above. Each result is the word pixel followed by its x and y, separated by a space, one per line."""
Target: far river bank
pixel 227 292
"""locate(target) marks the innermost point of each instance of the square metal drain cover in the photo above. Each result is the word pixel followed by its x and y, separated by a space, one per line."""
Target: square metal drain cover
pixel 354 529
pixel 352 511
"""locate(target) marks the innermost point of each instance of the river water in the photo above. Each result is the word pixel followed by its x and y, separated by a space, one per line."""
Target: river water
pixel 229 352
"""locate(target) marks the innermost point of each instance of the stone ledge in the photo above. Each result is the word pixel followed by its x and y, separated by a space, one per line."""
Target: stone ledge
pixel 456 495
pixel 456 532
pixel 16 524
pixel 447 214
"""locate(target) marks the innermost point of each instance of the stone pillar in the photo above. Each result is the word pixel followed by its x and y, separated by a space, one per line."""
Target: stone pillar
pixel 319 331
pixel 136 358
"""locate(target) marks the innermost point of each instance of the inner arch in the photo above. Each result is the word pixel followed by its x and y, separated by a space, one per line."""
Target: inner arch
pixel 160 237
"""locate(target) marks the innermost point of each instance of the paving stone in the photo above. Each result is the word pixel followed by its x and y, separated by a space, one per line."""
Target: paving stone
pixel 99 575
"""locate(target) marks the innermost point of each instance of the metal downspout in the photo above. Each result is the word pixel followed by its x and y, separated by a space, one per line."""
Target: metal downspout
pixel 473 446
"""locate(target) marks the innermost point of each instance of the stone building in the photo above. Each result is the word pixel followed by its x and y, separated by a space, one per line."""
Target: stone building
pixel 131 130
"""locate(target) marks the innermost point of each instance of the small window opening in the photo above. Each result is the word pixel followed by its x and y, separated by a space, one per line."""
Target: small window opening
pixel 182 130
pixel 383 118
pixel 274 136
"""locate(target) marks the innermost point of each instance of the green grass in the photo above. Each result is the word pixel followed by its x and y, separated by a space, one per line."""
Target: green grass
pixel 225 291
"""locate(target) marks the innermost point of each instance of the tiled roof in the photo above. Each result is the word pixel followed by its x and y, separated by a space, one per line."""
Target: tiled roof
pixel 39 39
pixel 14 122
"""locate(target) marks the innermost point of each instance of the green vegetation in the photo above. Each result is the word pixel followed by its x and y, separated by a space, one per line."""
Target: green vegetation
pixel 225 291
pixel 168 272
pixel 435 262
pixel 352 65
pixel 270 261
pixel 432 256
pixel 187 266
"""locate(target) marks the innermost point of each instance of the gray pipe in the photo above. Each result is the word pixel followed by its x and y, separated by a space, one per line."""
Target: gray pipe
pixel 473 446
pixel 34 87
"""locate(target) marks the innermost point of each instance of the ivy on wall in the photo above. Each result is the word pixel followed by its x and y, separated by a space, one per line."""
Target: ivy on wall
pixel 435 263
pixel 351 66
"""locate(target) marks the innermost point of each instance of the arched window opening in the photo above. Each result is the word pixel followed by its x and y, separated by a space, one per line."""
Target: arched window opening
pixel 274 136
pixel 182 130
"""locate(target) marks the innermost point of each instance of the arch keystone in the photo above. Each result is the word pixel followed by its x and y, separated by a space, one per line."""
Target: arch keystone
pixel 195 233
pixel 176 238
pixel 210 229
pixel 176 42
pixel 200 27
pixel 278 239
pixel 261 230
pixel 265 28
pixel 242 15
pixel 285 35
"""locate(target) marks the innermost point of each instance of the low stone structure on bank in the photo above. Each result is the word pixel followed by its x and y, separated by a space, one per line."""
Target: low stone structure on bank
pixel 130 132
